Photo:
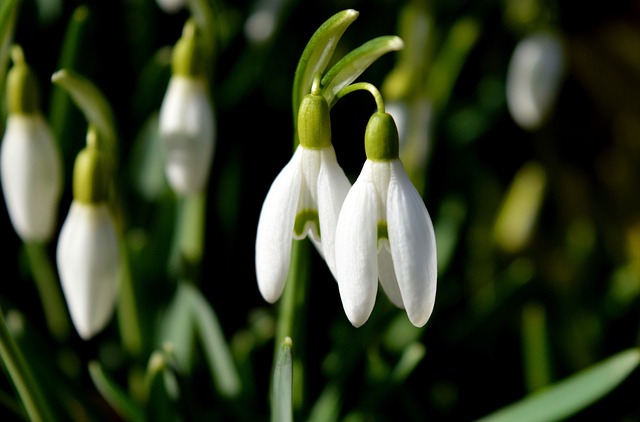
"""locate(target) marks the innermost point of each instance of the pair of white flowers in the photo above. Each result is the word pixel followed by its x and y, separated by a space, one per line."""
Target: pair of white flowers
pixel 31 171
pixel 376 230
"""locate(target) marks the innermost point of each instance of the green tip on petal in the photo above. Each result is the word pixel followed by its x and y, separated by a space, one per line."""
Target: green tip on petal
pixel 90 184
pixel 381 138
pixel 188 57
pixel 314 124
pixel 23 96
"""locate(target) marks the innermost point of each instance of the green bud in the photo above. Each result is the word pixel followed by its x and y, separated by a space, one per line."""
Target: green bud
pixel 90 184
pixel 314 124
pixel 23 96
pixel 381 138
pixel 188 57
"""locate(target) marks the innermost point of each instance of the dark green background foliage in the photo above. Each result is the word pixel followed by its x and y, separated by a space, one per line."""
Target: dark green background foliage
pixel 579 271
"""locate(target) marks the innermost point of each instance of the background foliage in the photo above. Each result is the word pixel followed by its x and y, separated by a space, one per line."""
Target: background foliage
pixel 506 322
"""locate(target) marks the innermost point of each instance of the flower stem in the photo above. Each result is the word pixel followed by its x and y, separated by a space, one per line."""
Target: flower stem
pixel 292 314
pixel 32 398
pixel 366 86
pixel 53 304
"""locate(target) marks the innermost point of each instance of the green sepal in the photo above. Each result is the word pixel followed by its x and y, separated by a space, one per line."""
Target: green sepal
pixel 188 58
pixel 381 141
pixel 90 182
pixel 23 95
pixel 314 124
pixel 317 54
pixel 357 61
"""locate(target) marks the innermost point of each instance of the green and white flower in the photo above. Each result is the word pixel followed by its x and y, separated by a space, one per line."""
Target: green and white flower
pixel 384 233
pixel 88 255
pixel 31 167
pixel 187 123
pixel 304 200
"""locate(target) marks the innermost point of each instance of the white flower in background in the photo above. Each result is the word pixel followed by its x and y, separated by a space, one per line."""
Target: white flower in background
pixel 171 6
pixel 187 125
pixel 304 200
pixel 384 233
pixel 534 77
pixel 30 161
pixel 88 256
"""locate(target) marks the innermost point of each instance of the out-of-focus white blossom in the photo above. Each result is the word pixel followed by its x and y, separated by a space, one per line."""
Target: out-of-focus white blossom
pixel 534 77
pixel 171 6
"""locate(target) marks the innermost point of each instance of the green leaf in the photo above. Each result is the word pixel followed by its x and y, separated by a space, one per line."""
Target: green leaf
pixel 163 389
pixel 357 61
pixel 572 394
pixel 281 401
pixel 8 14
pixel 216 349
pixel 113 394
pixel 177 328
pixel 92 102
pixel 317 54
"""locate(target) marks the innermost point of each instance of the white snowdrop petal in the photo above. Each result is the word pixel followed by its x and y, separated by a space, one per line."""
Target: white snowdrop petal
pixel 387 277
pixel 88 263
pixel 356 251
pixel 171 6
pixel 333 186
pixel 413 246
pixel 187 128
pixel 31 171
pixel 275 229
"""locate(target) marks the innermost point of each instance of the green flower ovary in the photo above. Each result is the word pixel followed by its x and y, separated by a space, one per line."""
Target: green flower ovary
pixel 381 138
pixel 314 124
pixel 303 218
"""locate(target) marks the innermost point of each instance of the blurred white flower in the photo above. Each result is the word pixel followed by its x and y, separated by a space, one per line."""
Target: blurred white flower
pixel 304 200
pixel 31 171
pixel 187 129
pixel 534 76
pixel 88 262
pixel 384 233
pixel 171 6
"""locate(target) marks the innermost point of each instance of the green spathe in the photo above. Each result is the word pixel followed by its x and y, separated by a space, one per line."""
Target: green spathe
pixel 314 124
pixel 381 138
pixel 90 185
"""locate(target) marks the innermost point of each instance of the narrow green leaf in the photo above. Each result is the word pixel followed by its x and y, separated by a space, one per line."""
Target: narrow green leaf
pixel 92 102
pixel 163 391
pixel 20 374
pixel 113 394
pixel 217 352
pixel 281 401
pixel 357 61
pixel 327 407
pixel 317 54
pixel 146 166
pixel 177 328
pixel 411 357
pixel 572 394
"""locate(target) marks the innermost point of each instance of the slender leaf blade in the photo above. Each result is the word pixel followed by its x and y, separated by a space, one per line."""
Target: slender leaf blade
pixel 113 394
pixel 281 401
pixel 572 394
pixel 357 61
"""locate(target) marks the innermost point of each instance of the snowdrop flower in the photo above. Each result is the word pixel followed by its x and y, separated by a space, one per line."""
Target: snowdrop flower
pixel 171 6
pixel 304 200
pixel 187 126
pixel 534 75
pixel 87 254
pixel 31 167
pixel 384 233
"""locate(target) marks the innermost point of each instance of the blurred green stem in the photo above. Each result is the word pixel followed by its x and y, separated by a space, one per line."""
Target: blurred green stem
pixel 53 303
pixel 189 237
pixel 292 314
pixel 20 375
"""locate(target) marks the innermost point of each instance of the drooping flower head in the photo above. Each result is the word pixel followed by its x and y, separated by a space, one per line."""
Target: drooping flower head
pixel 187 124
pixel 31 167
pixel 384 233
pixel 87 254
pixel 303 201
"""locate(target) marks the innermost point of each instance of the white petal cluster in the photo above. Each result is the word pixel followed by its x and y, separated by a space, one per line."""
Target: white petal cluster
pixel 384 233
pixel 534 76
pixel 171 6
pixel 31 171
pixel 88 262
pixel 304 200
pixel 187 128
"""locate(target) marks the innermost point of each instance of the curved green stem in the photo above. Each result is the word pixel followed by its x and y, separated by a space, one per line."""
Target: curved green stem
pixel 53 304
pixel 366 86
pixel 26 386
